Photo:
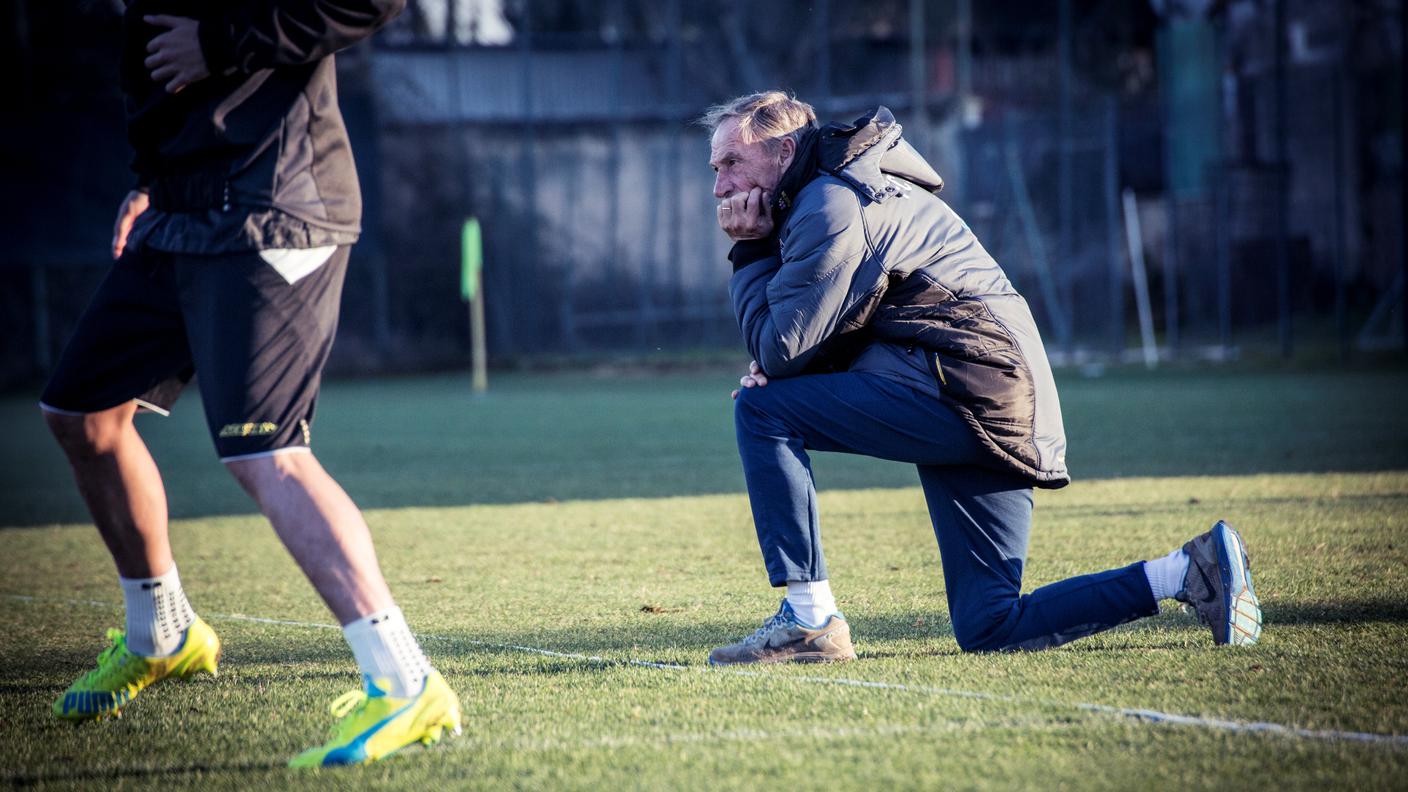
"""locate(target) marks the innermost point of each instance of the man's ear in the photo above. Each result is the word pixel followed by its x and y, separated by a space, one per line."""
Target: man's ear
pixel 788 151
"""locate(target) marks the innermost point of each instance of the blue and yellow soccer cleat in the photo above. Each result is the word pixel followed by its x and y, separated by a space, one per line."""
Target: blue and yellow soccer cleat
pixel 1218 586
pixel 373 725
pixel 121 674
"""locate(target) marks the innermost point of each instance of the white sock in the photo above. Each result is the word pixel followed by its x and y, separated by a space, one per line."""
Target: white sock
pixel 386 651
pixel 1166 574
pixel 811 601
pixel 158 613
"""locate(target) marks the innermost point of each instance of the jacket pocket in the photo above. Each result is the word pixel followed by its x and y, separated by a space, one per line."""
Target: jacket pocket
pixel 992 386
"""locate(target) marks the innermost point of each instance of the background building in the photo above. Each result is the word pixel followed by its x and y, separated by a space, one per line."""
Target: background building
pixel 1254 146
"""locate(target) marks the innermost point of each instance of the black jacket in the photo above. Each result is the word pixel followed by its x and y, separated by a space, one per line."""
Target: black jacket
pixel 256 155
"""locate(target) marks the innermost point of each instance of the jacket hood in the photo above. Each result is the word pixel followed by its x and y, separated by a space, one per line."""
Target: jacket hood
pixel 867 151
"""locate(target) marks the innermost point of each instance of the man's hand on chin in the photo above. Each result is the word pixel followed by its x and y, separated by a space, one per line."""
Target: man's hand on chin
pixel 747 215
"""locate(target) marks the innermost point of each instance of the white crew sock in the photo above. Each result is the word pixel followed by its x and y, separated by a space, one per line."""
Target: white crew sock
pixel 158 613
pixel 1166 574
pixel 811 601
pixel 386 650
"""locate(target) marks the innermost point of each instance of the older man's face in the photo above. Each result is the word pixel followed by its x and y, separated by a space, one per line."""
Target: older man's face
pixel 740 166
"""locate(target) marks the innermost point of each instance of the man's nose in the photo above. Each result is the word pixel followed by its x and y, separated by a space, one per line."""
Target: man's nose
pixel 720 188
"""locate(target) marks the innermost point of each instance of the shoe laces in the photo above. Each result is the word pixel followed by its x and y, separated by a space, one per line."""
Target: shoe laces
pixel 345 708
pixel 110 660
pixel 343 705
pixel 349 705
pixel 774 621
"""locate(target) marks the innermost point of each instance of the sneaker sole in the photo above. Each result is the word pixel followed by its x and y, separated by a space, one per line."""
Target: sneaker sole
pixel 429 734
pixel 434 734
pixel 210 664
pixel 813 658
pixel 1239 598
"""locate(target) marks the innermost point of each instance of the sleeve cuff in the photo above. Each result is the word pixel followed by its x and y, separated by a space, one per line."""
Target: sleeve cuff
pixel 747 251
pixel 216 46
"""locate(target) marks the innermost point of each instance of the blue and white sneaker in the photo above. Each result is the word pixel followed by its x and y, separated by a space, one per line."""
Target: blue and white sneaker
pixel 1218 586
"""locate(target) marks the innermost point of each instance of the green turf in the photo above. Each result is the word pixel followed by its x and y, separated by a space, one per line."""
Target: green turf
pixel 602 517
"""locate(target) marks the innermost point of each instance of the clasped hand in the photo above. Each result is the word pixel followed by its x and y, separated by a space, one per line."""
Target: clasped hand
pixel 755 378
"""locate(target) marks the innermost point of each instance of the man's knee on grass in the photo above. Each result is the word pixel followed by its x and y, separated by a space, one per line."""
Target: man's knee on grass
pixel 984 631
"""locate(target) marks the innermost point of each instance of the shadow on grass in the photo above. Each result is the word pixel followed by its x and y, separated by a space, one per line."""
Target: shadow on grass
pixel 926 635
pixel 652 639
pixel 1344 612
pixel 19 780
pixel 646 639
pixel 670 639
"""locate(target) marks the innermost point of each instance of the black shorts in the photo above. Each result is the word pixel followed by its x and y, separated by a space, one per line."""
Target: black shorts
pixel 257 341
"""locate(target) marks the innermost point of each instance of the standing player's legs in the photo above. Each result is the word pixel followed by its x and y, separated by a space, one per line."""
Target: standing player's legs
pixel 260 330
pixel 261 335
pixel 322 528
pixel 129 351
pixel 119 482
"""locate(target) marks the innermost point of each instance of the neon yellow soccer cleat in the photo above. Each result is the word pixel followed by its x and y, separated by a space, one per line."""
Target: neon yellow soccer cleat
pixel 121 675
pixel 374 725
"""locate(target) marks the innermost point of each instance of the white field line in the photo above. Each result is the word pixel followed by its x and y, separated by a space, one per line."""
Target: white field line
pixel 1145 715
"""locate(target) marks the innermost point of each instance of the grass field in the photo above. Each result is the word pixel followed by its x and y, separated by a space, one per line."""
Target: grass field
pixel 571 547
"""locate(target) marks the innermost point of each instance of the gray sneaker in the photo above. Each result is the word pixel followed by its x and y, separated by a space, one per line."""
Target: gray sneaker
pixel 1218 586
pixel 782 639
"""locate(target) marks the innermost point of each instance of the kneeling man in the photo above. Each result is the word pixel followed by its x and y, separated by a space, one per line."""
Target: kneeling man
pixel 880 326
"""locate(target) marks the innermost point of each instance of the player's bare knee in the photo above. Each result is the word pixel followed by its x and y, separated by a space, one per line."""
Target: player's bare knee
pixel 90 433
pixel 273 470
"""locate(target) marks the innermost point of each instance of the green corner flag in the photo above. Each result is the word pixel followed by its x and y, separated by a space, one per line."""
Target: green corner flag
pixel 471 290
pixel 471 258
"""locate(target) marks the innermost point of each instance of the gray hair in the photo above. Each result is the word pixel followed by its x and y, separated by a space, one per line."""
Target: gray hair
pixel 765 117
